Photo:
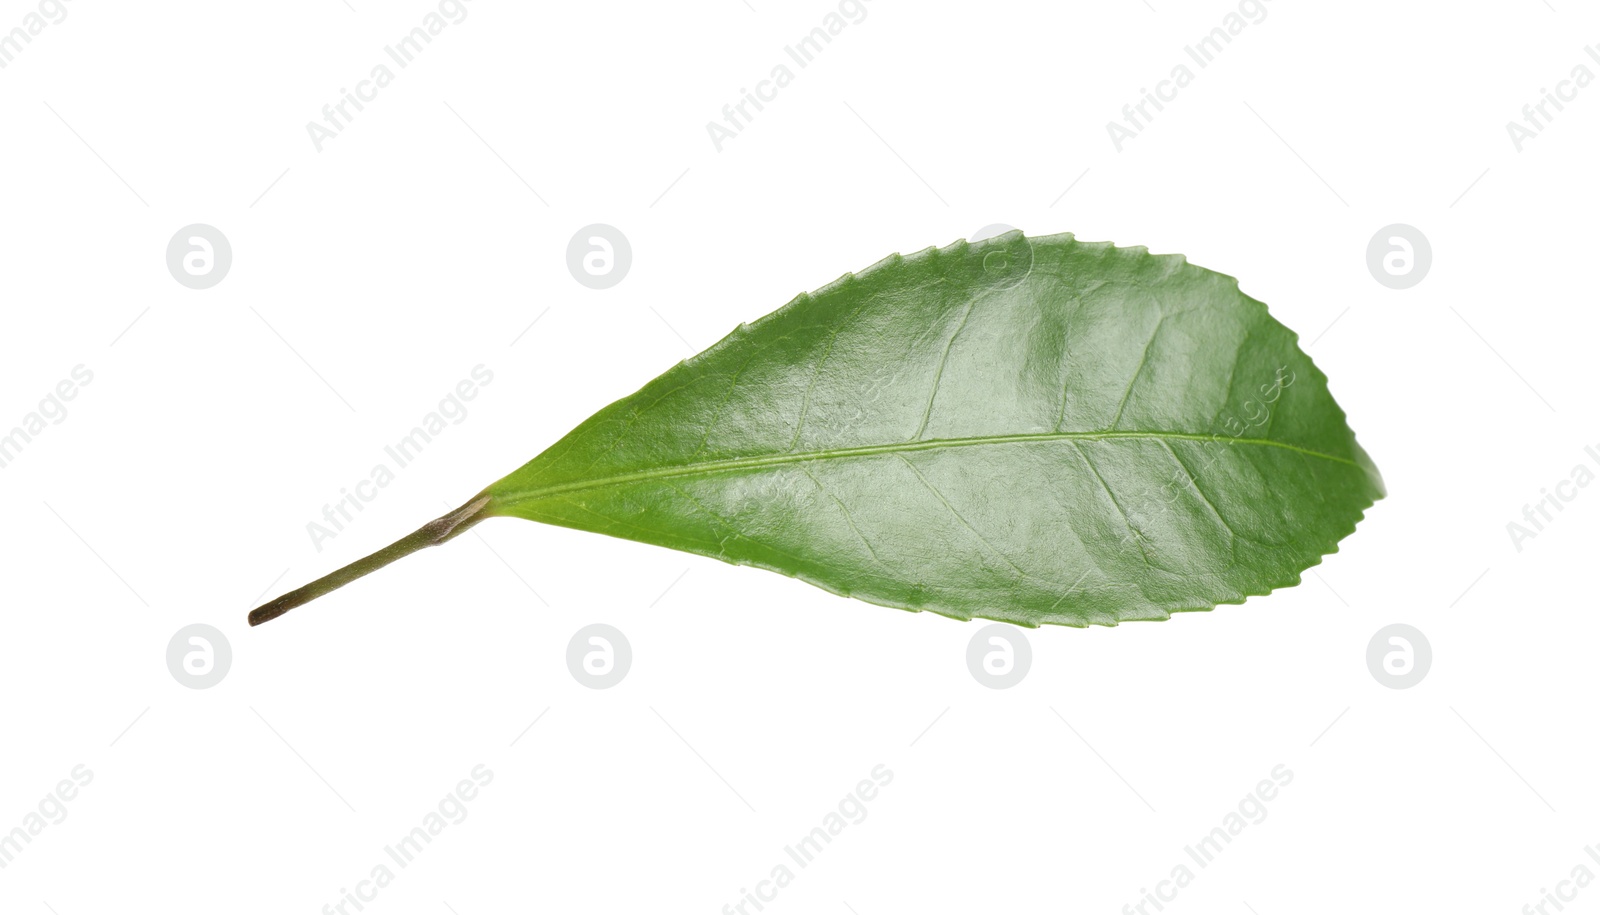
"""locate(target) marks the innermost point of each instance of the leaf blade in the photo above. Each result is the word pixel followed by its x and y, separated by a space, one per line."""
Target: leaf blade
pixel 769 448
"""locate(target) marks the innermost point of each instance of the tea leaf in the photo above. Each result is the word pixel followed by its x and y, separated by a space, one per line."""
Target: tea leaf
pixel 1031 430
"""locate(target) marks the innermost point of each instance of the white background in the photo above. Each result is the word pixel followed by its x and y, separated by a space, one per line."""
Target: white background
pixel 371 277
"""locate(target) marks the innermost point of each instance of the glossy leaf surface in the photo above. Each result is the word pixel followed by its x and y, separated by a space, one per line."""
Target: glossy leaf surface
pixel 1034 430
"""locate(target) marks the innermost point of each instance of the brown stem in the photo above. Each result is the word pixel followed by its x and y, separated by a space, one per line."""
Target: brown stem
pixel 433 533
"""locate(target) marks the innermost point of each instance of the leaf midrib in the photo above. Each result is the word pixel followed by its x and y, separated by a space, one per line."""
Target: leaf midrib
pixel 804 457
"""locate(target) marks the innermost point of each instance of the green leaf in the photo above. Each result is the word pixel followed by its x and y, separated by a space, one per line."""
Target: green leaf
pixel 1032 430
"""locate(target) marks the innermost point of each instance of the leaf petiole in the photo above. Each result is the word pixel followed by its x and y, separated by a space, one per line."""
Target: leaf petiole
pixel 433 533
